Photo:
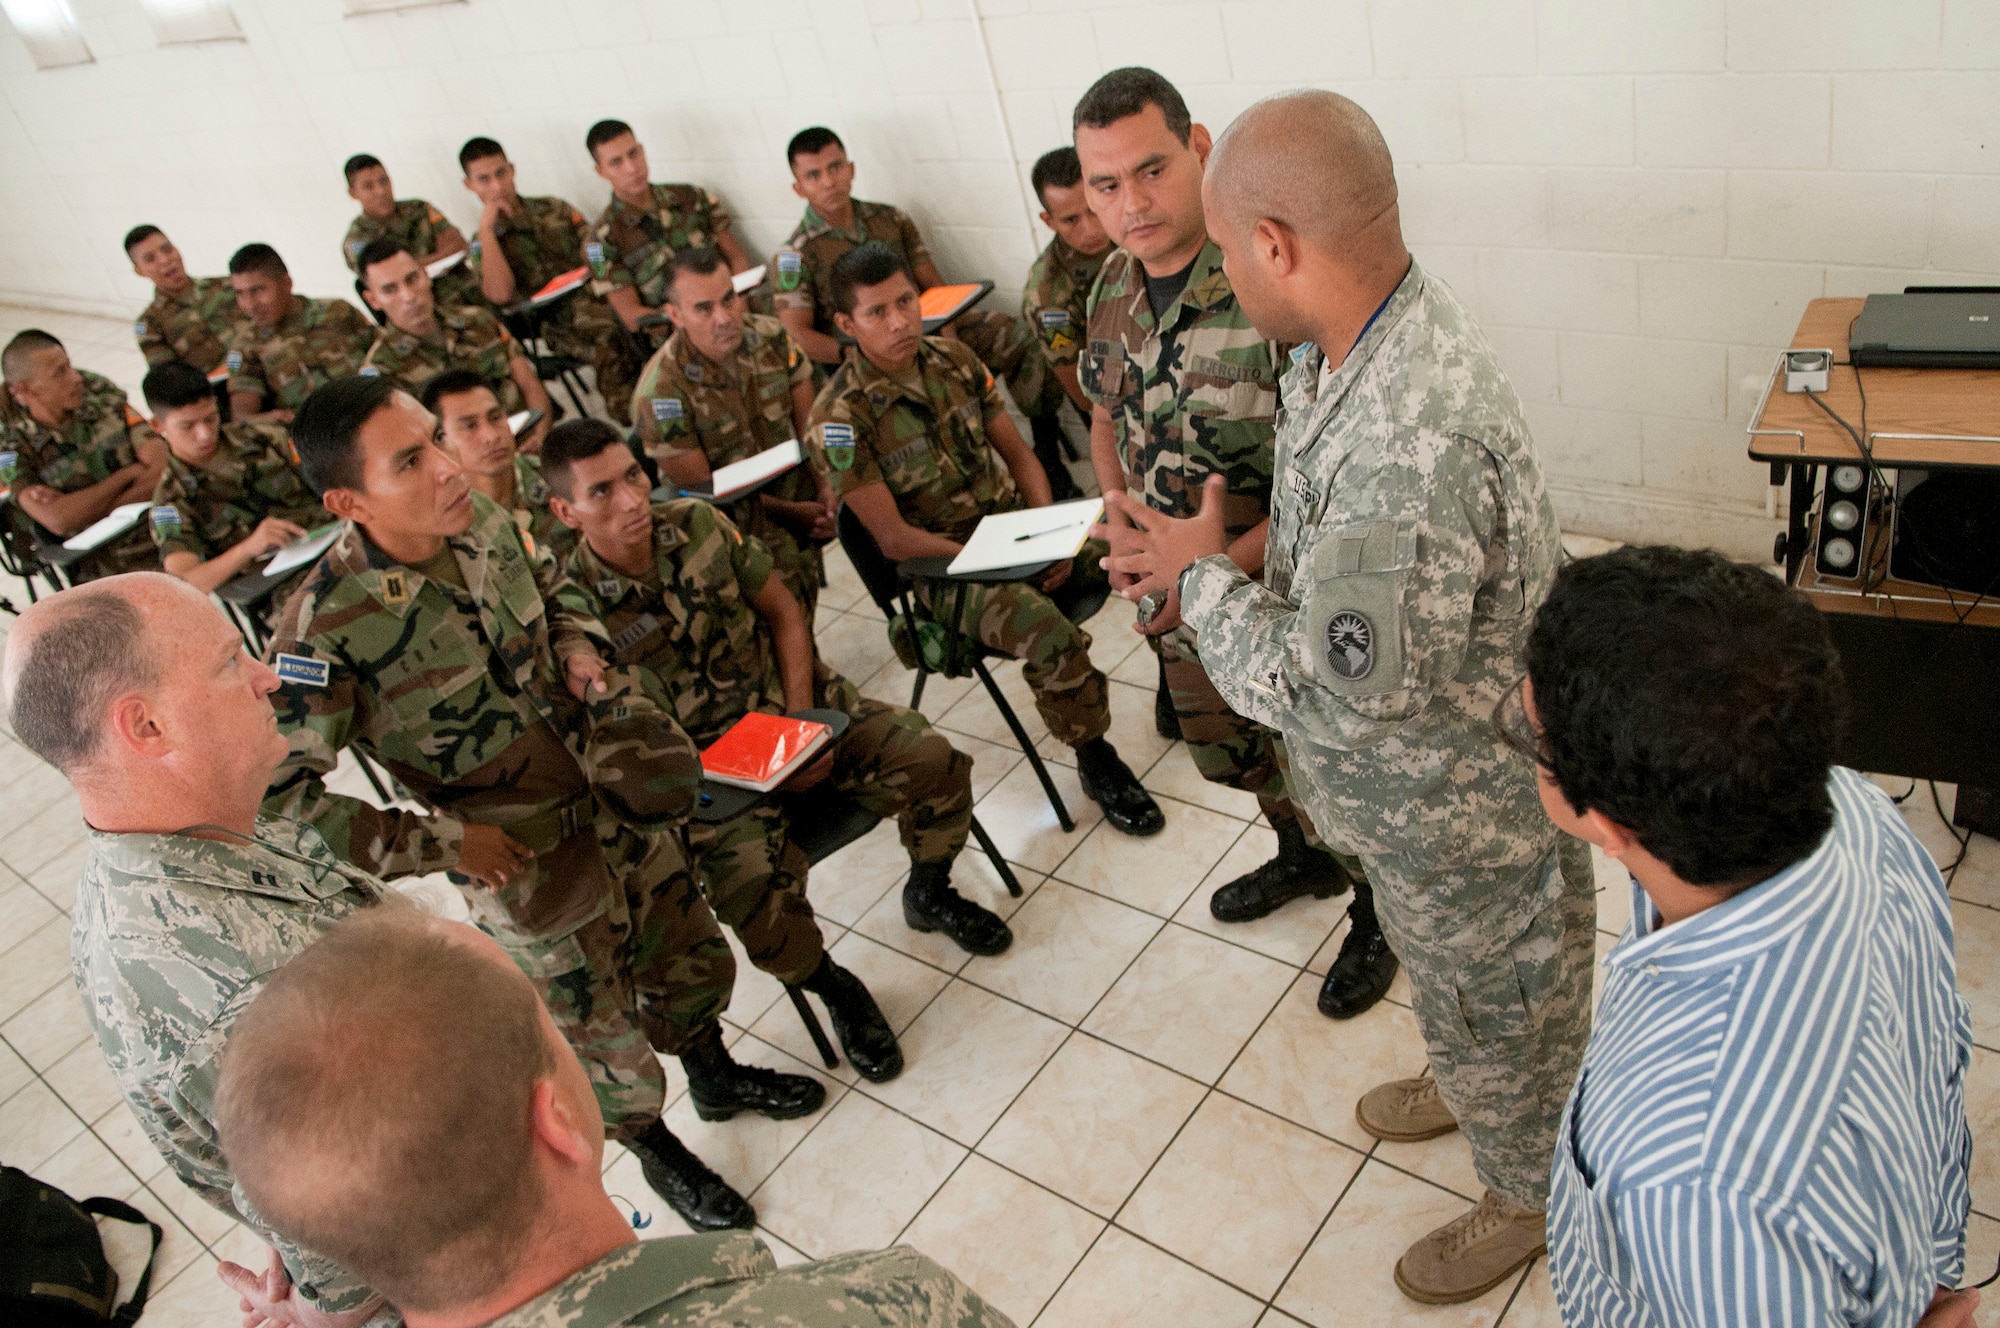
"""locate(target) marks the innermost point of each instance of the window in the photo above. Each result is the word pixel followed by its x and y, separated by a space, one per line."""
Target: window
pixel 192 20
pixel 49 30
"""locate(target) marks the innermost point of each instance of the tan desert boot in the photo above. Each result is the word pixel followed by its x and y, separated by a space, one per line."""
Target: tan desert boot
pixel 1470 1255
pixel 1405 1111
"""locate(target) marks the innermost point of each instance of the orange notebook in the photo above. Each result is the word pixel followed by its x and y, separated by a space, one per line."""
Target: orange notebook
pixel 941 303
pixel 762 751
pixel 557 285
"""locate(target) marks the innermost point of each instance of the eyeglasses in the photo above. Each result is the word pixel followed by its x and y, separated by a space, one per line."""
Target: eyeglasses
pixel 1512 726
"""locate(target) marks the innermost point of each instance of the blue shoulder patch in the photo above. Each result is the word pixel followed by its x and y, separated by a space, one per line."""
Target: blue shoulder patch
pixel 1055 318
pixel 666 409
pixel 299 669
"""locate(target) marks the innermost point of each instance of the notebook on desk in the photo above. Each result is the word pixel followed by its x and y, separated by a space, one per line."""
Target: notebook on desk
pixel 762 751
pixel 748 280
pixel 1035 535
pixel 560 285
pixel 941 304
pixel 444 265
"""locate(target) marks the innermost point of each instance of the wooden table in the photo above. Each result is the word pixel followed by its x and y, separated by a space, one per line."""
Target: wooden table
pixel 1922 662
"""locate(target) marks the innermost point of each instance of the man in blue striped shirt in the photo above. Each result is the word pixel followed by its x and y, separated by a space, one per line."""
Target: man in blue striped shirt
pixel 1769 1127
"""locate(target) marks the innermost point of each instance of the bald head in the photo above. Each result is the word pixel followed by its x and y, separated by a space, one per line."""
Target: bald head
pixel 1313 161
pixel 71 655
pixel 377 1103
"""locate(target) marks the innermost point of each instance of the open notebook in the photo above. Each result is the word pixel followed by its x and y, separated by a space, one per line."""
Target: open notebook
pixel 941 304
pixel 1037 535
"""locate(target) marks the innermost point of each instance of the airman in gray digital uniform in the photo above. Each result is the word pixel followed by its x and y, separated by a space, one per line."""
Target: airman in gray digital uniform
pixel 1411 540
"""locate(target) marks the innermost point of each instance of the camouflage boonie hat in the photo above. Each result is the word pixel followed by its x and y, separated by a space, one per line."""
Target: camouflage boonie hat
pixel 640 763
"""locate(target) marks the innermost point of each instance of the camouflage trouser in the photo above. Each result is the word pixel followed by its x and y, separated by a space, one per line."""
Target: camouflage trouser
pixel 1227 748
pixel 797 561
pixel 593 334
pixel 1499 962
pixel 1014 618
pixel 892 762
pixel 647 974
pixel 1010 349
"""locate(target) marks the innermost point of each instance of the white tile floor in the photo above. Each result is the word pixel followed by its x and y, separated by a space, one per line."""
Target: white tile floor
pixel 1135 1116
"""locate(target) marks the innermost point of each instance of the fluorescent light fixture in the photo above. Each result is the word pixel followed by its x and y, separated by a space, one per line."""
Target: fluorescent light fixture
pixel 357 7
pixel 192 20
pixel 49 30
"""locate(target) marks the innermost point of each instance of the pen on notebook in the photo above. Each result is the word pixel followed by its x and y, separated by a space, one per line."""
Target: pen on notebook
pixel 1037 534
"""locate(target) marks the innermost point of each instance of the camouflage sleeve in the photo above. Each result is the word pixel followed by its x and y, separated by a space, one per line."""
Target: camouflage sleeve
pixel 175 526
pixel 798 365
pixel 139 434
pixel 849 452
pixel 608 271
pixel 750 556
pixel 914 247
pixel 719 216
pixel 1386 591
pixel 980 380
pixel 246 368
pixel 574 627
pixel 152 342
pixel 665 420
pixel 351 246
pixel 319 720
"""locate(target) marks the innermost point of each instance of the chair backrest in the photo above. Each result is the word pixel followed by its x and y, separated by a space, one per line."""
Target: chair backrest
pixel 870 564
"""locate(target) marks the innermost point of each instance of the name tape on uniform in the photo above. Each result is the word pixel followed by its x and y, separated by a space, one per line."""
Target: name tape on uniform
pixel 299 669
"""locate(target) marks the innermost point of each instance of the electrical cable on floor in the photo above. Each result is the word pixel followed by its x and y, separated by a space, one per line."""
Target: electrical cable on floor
pixel 1964 844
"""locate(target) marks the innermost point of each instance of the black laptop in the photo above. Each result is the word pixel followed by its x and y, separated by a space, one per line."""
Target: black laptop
pixel 1929 327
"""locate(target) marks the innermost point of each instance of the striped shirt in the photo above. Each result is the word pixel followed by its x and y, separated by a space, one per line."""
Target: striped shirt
pixel 1769 1127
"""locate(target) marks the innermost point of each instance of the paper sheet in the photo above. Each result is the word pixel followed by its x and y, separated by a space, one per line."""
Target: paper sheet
pixel 749 279
pixel 1037 535
pixel 445 264
pixel 113 524
pixel 300 552
pixel 742 474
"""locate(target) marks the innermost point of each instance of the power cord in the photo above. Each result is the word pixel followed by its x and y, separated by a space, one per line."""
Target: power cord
pixel 1964 841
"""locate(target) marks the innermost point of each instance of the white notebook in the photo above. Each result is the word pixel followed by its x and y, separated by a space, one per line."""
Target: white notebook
pixel 445 264
pixel 111 525
pixel 302 551
pixel 738 475
pixel 1038 535
pixel 748 279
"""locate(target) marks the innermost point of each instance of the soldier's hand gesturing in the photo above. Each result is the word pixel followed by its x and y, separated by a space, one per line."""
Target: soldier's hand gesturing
pixel 1157 548
pixel 490 856
pixel 585 674
pixel 271 1300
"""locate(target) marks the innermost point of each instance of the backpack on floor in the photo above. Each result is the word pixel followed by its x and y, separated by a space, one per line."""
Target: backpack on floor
pixel 53 1269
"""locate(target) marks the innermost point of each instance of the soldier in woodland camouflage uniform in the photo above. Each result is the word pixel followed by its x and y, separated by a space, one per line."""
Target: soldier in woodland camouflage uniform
pixel 525 243
pixel 1055 302
pixel 465 676
pixel 921 447
pixel 284 346
pixel 174 930
pixel 556 1252
pixel 726 386
pixel 1185 388
pixel 474 429
pixel 65 434
pixel 1410 544
pixel 412 223
pixel 190 317
pixel 231 492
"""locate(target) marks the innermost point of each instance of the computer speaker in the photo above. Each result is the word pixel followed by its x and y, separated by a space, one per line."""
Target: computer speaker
pixel 1845 510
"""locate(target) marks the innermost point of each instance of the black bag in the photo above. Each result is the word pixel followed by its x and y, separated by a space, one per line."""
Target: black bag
pixel 53 1273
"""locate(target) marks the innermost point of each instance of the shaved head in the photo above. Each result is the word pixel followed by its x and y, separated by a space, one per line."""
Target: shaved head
pixel 1311 160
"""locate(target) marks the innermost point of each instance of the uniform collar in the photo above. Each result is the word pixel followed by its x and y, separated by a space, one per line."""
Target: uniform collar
pixel 633 1279
pixel 166 300
pixel 883 388
pixel 394 585
pixel 1207 288
pixel 1322 393
pixel 611 585
pixel 530 489
pixel 288 860
pixel 698 368
pixel 815 224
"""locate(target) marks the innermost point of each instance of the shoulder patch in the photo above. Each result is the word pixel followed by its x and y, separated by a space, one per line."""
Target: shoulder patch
pixel 299 669
pixel 790 269
pixel 668 409
pixel 166 518
pixel 369 371
pixel 1055 318
pixel 354 248
pixel 473 248
pixel 10 466
pixel 837 441
pixel 234 359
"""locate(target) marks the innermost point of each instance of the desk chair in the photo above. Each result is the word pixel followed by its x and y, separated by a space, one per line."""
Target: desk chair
pixel 891 585
pixel 23 552
pixel 821 824
pixel 525 320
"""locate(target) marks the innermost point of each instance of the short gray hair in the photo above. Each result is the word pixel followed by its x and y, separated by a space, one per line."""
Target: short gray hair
pixel 61 678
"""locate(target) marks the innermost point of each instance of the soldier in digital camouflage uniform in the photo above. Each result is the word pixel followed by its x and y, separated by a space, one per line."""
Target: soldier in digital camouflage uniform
pixel 284 345
pixel 411 222
pixel 703 403
pixel 456 673
pixel 231 492
pixel 921 447
pixel 174 931
pixel 474 429
pixel 72 449
pixel 1185 388
pixel 522 245
pixel 190 318
pixel 1409 546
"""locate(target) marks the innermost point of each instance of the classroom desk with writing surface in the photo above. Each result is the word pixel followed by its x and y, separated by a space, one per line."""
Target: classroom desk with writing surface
pixel 1922 662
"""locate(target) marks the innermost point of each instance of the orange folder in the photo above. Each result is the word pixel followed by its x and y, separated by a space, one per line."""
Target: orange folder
pixel 557 285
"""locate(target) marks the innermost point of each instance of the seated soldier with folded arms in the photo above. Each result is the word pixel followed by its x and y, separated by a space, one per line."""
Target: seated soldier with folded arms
pixel 523 244
pixel 411 222
pixel 423 338
pixel 285 346
pixel 190 317
pixel 231 492
pixel 473 429
pixel 71 449
pixel 692 600
pixel 646 224
pixel 910 426
pixel 470 1188
pixel 835 222
pixel 727 385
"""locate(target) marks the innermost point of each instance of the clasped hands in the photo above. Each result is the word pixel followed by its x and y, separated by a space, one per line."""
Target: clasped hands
pixel 1150 550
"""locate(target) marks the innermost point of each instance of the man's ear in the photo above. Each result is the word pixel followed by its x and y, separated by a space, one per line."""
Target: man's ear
pixel 368 297
pixel 797 188
pixel 1278 245
pixel 845 322
pixel 130 722
pixel 555 1125
pixel 1199 140
pixel 564 513
pixel 1616 841
pixel 347 504
pixel 597 165
pixel 1047 220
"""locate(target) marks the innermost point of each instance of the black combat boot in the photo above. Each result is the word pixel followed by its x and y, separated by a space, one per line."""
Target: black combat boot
pixel 930 904
pixel 864 1034
pixel 704 1200
pixel 1110 783
pixel 1047 431
pixel 1166 720
pixel 721 1088
pixel 1365 967
pixel 1299 869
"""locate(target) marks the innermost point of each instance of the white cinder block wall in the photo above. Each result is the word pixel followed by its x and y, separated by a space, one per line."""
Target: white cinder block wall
pixel 1637 196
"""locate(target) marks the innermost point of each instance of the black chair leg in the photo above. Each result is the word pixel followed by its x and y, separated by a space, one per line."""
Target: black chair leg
pixel 1021 736
pixel 993 854
pixel 374 780
pixel 811 1021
